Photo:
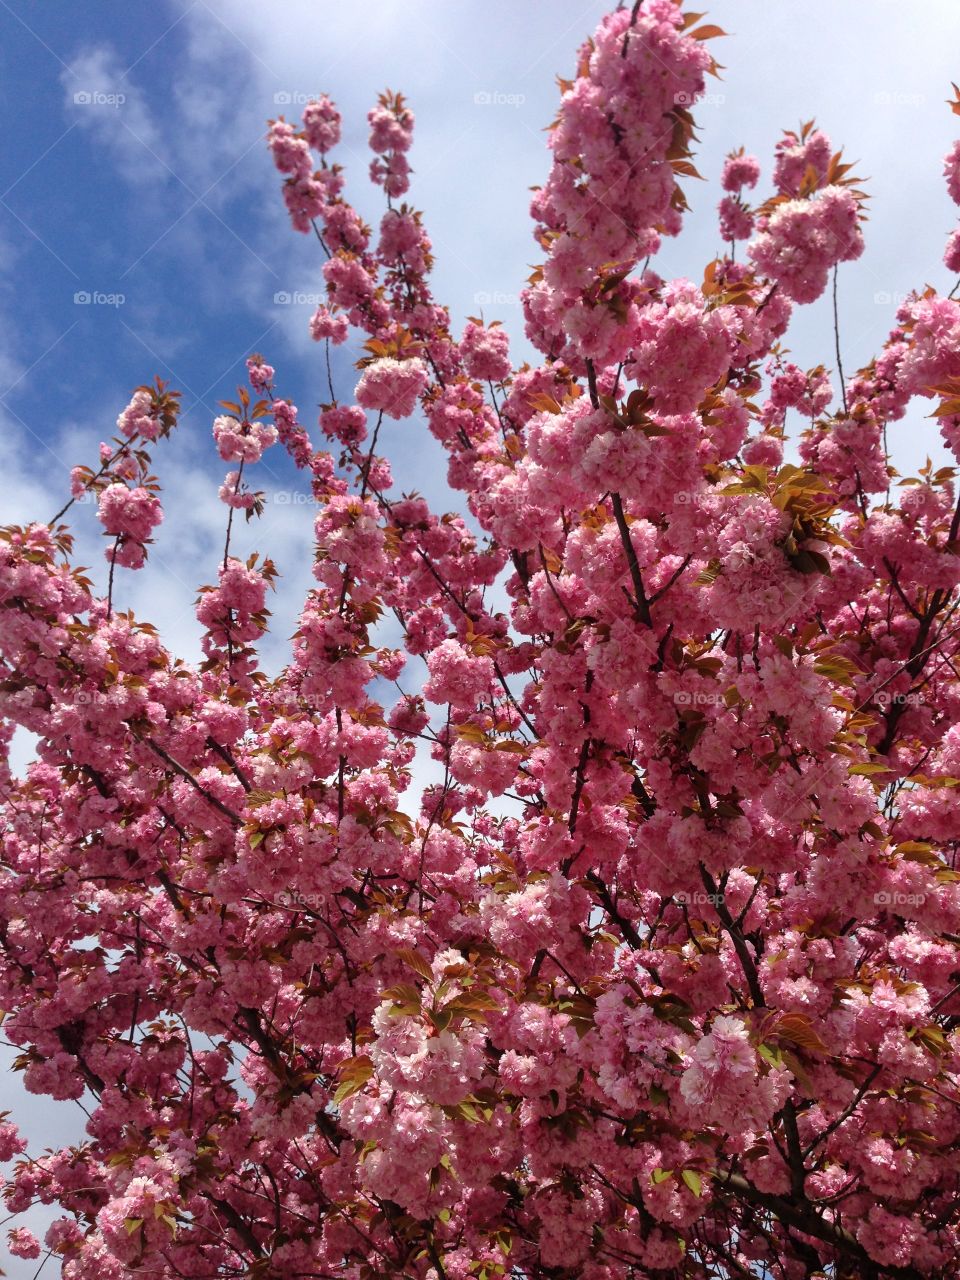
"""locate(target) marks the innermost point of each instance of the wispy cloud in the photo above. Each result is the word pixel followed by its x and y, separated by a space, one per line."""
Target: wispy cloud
pixel 101 98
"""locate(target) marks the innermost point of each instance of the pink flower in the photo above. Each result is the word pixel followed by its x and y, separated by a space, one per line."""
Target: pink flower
pixel 739 171
pixel 443 1068
pixel 344 422
pixel 260 373
pixel 137 418
pixel 11 1144
pixel 291 153
pixel 235 494
pixel 323 324
pixel 390 131
pixel 58 1076
pixel 951 171
pixel 736 221
pixel 803 240
pixel 485 352
pixel 321 124
pixel 456 675
pixel 133 513
pixel 681 348
pixel 795 157
pixel 242 442
pixel 392 386
pixel 23 1243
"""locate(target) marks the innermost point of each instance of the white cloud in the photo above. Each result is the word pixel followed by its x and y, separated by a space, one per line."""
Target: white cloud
pixel 101 98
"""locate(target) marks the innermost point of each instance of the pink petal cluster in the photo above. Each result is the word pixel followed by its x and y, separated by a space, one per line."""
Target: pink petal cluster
pixel 323 324
pixel 321 124
pixel 138 418
pixel 739 171
pixel 796 156
pixel 802 240
pixel 392 386
pixel 681 348
pixel 242 441
pixel 130 515
pixel 485 352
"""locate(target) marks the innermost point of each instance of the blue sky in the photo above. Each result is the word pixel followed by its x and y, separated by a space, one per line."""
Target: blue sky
pixel 134 168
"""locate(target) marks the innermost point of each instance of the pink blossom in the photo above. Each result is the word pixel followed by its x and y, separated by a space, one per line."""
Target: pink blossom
pixel 456 675
pixel 392 386
pixel 132 513
pixel 739 171
pixel 235 494
pixel 138 418
pixel 11 1144
pixel 323 324
pixel 736 221
pixel 485 352
pixel 23 1243
pixel 951 171
pixel 321 123
pixel 242 442
pixel 803 240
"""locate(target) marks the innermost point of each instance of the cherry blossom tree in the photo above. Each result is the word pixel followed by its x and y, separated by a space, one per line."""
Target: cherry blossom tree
pixel 663 977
